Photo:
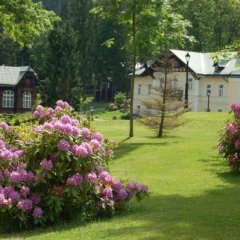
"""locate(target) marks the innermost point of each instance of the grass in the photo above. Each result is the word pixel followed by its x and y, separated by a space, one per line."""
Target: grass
pixel 193 193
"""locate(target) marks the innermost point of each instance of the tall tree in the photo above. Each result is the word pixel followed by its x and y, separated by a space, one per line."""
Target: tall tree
pixel 24 20
pixel 149 25
pixel 163 109
pixel 215 22
pixel 61 66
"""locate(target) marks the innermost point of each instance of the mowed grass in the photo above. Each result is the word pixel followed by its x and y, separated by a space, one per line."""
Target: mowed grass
pixel 193 195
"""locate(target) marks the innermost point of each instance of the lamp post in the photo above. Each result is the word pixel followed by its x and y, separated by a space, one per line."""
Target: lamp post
pixel 208 95
pixel 187 57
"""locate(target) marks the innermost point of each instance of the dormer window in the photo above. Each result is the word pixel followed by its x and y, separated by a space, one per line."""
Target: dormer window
pixel 220 65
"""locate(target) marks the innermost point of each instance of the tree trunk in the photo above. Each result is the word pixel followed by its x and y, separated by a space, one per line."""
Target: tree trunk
pixel 160 132
pixel 133 67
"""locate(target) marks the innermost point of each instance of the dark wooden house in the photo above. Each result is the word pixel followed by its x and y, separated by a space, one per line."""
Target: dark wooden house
pixel 18 89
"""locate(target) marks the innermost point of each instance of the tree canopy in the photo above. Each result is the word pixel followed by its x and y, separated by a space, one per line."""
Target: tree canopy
pixel 24 20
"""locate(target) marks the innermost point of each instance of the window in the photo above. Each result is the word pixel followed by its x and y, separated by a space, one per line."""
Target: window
pixel 208 88
pixel 220 90
pixel 139 88
pixel 27 100
pixel 138 111
pixel 190 82
pixel 149 89
pixel 27 81
pixel 175 82
pixel 8 99
pixel 161 82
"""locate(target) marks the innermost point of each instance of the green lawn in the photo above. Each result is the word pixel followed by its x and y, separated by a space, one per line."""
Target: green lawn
pixel 193 195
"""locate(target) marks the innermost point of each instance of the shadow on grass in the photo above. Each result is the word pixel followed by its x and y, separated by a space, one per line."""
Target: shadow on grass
pixel 126 145
pixel 214 215
pixel 220 167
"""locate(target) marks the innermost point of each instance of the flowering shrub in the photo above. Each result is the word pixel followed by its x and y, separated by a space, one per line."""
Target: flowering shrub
pixel 56 168
pixel 229 143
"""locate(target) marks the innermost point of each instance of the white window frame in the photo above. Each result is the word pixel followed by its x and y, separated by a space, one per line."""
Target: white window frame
pixel 8 99
pixel 175 83
pixel 149 89
pixel 220 90
pixel 161 82
pixel 208 87
pixel 27 100
pixel 139 88
pixel 190 83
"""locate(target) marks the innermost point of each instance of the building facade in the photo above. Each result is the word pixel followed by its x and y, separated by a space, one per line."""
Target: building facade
pixel 18 89
pixel 211 86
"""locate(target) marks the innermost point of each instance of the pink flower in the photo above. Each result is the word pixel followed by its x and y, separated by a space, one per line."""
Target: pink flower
pixel 2 144
pixel 105 176
pixel 4 126
pixel 116 184
pixel 66 119
pixel 21 176
pixel 37 212
pixel 58 190
pixel 36 198
pixel 91 177
pixel 39 108
pixel 48 126
pixel 14 196
pixel 232 159
pixel 75 131
pixel 6 154
pixel 237 143
pixel 122 194
pixel 62 104
pixel 85 131
pixel 46 164
pixel 107 192
pixel 87 147
pixel 7 190
pixel 63 145
pixel 58 109
pixel 95 143
pixel 25 205
pixel 97 136
pixel 25 191
pixel 75 180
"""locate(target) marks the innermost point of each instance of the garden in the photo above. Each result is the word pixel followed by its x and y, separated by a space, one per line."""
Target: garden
pixel 193 194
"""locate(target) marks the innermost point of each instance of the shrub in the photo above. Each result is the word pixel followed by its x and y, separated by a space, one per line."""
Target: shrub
pixel 229 142
pixel 55 168
pixel 120 99
pixel 112 107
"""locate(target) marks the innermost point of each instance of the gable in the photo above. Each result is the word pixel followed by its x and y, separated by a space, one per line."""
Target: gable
pixel 11 76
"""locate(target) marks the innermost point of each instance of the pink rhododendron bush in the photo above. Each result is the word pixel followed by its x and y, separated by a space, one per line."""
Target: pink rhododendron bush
pixel 229 144
pixel 54 167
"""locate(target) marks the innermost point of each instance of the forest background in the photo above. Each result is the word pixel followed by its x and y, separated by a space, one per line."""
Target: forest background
pixel 72 60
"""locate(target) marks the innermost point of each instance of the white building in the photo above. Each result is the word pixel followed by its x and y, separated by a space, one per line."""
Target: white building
pixel 222 80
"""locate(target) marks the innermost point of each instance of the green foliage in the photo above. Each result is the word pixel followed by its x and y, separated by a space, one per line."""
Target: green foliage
pixel 211 33
pixel 157 25
pixel 60 66
pixel 229 142
pixel 54 168
pixel 23 21
pixel 112 107
pixel 120 99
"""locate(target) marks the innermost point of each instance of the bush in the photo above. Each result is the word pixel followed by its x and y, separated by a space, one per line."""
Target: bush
pixel 120 99
pixel 112 107
pixel 54 168
pixel 229 142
